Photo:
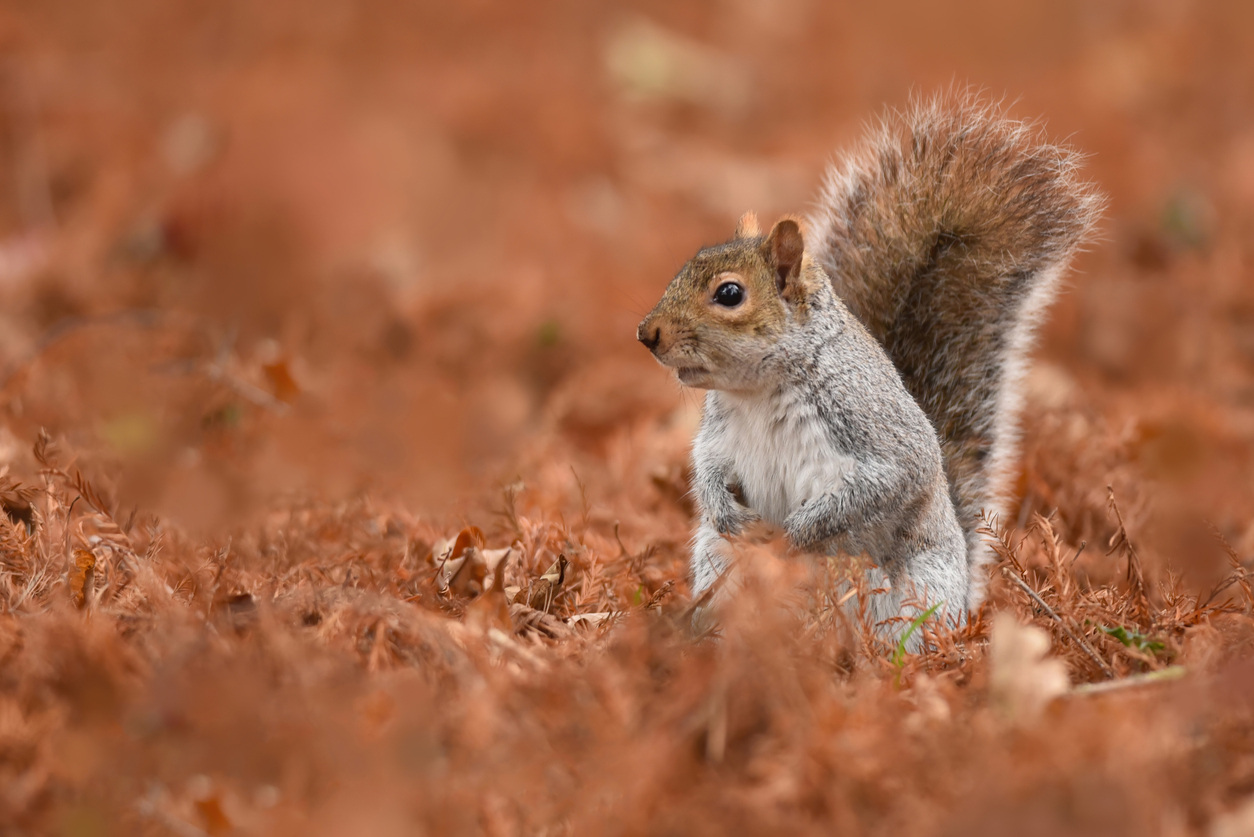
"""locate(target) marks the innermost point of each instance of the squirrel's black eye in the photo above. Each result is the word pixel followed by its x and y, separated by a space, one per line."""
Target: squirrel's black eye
pixel 729 295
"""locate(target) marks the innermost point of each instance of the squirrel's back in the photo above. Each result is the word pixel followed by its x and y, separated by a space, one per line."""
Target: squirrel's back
pixel 946 234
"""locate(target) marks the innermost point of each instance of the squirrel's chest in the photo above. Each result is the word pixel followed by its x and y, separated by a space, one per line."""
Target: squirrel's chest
pixel 782 454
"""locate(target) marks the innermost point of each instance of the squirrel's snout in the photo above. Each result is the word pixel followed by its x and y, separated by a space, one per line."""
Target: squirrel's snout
pixel 650 335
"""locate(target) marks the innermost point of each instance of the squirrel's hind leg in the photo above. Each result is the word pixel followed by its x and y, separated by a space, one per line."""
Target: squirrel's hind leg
pixel 710 559
pixel 710 562
pixel 928 581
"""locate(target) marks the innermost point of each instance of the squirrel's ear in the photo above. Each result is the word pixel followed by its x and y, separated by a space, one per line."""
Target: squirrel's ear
pixel 786 247
pixel 748 226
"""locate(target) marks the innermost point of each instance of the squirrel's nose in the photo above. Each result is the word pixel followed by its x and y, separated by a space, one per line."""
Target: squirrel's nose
pixel 650 335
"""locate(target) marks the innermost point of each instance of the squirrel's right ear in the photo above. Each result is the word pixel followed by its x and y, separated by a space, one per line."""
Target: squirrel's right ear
pixel 748 226
pixel 785 246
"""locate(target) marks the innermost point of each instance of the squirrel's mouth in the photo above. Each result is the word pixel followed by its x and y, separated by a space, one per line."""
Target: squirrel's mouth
pixel 690 374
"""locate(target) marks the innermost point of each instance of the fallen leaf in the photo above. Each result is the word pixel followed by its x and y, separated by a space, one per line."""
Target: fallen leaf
pixel 15 501
pixel 242 610
pixel 450 549
pixel 82 577
pixel 212 816
pixel 545 589
pixel 282 385
pixel 466 575
pixel 590 618
pixel 492 610
pixel 529 619
pixel 491 558
pixel 463 570
pixel 1023 680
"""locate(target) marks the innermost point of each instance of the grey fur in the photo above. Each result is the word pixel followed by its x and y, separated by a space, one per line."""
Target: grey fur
pixel 869 406
pixel 891 504
pixel 946 234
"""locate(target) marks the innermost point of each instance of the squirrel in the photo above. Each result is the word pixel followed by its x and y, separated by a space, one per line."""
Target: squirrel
pixel 863 365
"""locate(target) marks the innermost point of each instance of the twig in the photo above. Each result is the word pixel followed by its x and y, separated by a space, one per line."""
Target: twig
pixel 656 599
pixel 583 496
pixel 1121 539
pixel 145 318
pixel 1088 649
pixel 1148 678
pixel 622 548
pixel 147 807
pixel 1239 574
pixel 218 371
pixel 695 606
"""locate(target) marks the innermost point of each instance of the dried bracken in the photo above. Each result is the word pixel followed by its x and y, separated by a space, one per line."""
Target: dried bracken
pixel 337 499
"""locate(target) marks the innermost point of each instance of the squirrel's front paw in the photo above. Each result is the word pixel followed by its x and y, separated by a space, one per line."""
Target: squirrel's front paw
pixel 803 533
pixel 735 520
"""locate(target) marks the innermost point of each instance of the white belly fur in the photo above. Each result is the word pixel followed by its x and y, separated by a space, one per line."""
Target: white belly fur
pixel 782 454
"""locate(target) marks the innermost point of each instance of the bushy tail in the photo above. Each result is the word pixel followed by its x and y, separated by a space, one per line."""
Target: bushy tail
pixel 946 234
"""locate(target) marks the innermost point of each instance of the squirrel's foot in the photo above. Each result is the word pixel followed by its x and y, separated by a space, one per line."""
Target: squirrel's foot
pixel 808 529
pixel 736 520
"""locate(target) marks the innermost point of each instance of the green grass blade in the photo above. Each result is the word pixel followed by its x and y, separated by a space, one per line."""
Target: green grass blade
pixel 900 653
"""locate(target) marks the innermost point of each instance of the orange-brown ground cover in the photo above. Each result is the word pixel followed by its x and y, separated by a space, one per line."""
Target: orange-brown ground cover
pixel 294 293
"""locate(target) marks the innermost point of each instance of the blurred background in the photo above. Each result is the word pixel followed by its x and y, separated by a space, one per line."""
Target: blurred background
pixel 261 250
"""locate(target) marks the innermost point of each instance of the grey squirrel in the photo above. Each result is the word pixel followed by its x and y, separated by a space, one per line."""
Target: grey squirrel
pixel 864 365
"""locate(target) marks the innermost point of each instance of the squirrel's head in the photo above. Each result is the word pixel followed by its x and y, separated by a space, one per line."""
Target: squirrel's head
pixel 720 321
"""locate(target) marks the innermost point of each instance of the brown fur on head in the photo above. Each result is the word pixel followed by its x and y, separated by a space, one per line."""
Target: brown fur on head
pixel 724 311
